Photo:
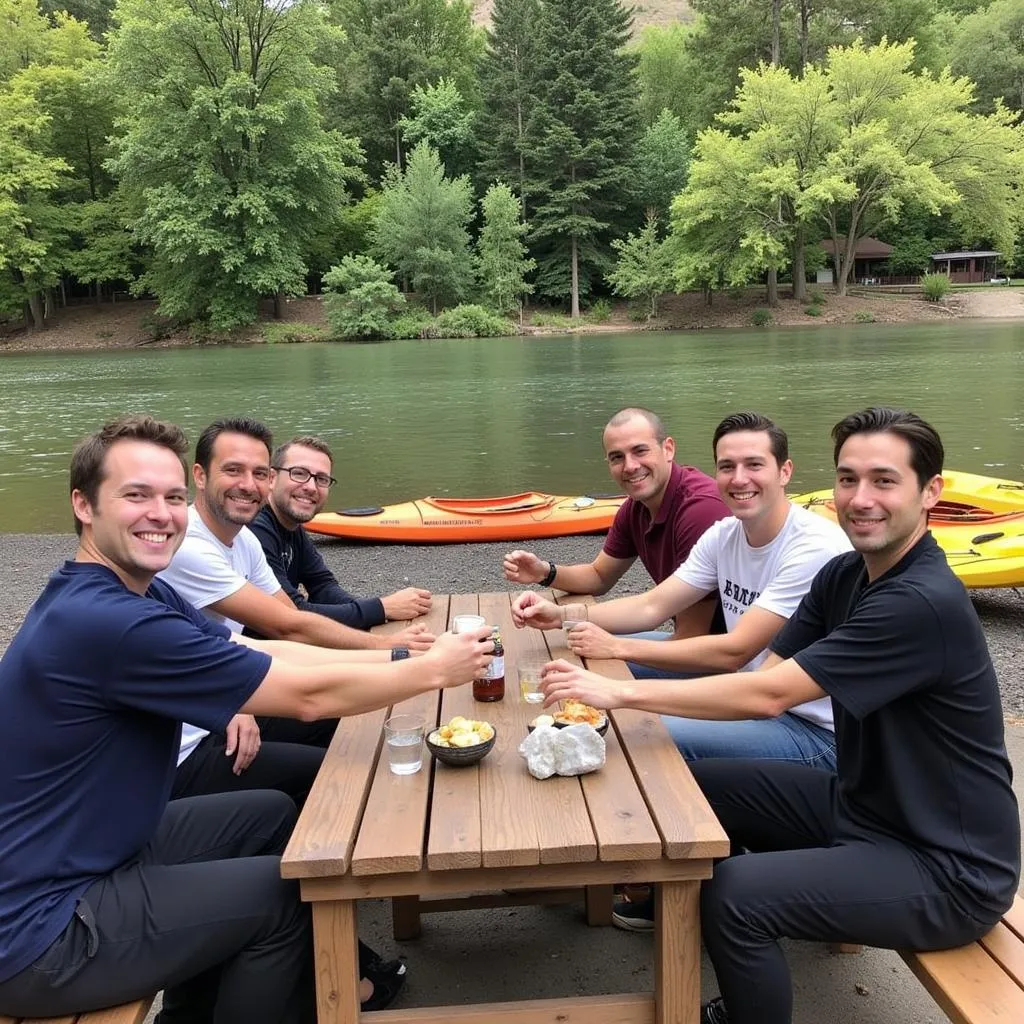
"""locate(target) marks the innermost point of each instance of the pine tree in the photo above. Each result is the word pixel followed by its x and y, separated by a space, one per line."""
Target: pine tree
pixel 506 83
pixel 503 260
pixel 579 141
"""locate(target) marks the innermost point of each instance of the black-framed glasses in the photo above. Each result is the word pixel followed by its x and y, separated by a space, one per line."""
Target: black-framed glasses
pixel 300 475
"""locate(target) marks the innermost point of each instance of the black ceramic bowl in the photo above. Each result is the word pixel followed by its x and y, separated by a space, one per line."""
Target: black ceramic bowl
pixel 457 757
pixel 601 729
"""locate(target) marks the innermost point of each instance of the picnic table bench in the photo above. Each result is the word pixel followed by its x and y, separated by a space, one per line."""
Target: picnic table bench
pixel 128 1013
pixel 427 839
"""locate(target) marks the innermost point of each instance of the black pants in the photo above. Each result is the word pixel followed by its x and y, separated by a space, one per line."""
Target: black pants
pixel 287 767
pixel 804 880
pixel 203 914
pixel 290 730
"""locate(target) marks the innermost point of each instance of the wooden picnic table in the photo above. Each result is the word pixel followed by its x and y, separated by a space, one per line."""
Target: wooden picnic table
pixel 422 839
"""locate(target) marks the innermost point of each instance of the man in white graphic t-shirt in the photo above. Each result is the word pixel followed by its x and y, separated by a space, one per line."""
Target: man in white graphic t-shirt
pixel 761 561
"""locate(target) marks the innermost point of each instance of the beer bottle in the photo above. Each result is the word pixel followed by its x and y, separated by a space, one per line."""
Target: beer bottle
pixel 492 686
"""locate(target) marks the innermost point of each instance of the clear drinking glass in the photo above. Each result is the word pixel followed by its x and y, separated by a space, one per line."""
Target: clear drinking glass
pixel 467 623
pixel 529 681
pixel 403 735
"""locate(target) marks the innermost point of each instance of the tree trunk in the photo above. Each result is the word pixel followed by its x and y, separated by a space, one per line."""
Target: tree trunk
pixel 799 265
pixel 279 299
pixel 805 33
pixel 575 307
pixel 99 292
pixel 522 158
pixel 63 291
pixel 776 40
pixel 772 288
pixel 49 306
pixel 35 308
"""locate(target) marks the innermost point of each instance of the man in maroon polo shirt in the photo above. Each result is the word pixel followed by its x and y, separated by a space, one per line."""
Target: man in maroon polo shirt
pixel 667 509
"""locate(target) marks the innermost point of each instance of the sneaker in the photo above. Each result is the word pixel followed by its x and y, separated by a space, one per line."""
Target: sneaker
pixel 714 1012
pixel 634 915
pixel 388 977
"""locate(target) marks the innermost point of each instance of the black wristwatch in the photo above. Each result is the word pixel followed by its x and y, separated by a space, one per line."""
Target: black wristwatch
pixel 398 653
pixel 552 573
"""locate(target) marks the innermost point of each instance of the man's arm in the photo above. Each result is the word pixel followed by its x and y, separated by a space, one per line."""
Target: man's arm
pixel 305 654
pixel 722 652
pixel 639 611
pixel 596 577
pixel 309 692
pixel 277 617
pixel 734 697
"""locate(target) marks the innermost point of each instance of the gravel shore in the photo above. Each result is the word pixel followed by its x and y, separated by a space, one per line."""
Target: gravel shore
pixel 28 560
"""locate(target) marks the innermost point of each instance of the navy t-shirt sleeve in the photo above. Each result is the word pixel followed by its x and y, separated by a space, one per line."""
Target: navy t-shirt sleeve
pixel 890 646
pixel 182 667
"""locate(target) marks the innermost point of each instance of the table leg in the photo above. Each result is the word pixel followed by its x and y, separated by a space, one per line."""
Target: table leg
pixel 335 962
pixel 405 918
pixel 599 900
pixel 677 953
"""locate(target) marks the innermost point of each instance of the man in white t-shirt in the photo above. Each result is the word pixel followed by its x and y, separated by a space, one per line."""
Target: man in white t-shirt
pixel 221 570
pixel 761 561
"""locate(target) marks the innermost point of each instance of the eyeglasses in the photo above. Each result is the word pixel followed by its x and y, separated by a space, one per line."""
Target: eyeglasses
pixel 300 475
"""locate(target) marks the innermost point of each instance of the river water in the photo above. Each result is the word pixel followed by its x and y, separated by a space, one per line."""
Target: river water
pixel 484 417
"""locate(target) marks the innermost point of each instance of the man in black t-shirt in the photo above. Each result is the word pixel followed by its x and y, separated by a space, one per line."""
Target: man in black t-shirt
pixel 915 842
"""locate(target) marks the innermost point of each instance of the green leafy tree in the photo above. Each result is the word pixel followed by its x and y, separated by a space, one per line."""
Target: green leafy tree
pixel 668 71
pixel 25 31
pixel 989 48
pixel 506 83
pixel 361 298
pixel 644 267
pixel 580 138
pixel 421 228
pixel 223 160
pixel 501 251
pixel 661 163
pixel 94 13
pixel 392 47
pixel 441 118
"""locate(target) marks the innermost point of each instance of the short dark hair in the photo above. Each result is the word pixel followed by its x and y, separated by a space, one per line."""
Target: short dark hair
pixel 88 461
pixel 306 441
pixel 634 411
pixel 233 425
pixel 926 452
pixel 753 421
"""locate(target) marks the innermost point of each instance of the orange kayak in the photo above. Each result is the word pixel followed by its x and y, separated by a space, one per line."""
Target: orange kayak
pixel 527 516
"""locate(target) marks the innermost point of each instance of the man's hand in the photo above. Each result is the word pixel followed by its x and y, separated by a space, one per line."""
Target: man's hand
pixel 561 680
pixel 416 638
pixel 589 641
pixel 530 609
pixel 524 567
pixel 409 603
pixel 243 736
pixel 461 657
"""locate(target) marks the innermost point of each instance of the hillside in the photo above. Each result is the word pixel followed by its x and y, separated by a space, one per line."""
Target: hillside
pixel 646 12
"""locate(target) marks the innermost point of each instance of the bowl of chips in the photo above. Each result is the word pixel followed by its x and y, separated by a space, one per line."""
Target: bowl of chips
pixel 573 712
pixel 462 741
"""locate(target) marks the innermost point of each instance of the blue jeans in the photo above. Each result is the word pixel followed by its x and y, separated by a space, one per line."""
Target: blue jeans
pixel 649 671
pixel 787 738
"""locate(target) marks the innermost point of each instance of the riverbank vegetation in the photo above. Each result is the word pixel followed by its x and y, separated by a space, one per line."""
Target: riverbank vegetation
pixel 431 174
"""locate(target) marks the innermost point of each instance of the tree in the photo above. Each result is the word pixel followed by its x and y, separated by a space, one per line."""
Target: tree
pixel 222 157
pixel 579 140
pixel 661 164
pixel 644 269
pixel 506 84
pixel 989 48
pixel 441 118
pixel 501 252
pixel 392 47
pixel 421 227
pixel 668 72
pixel 361 298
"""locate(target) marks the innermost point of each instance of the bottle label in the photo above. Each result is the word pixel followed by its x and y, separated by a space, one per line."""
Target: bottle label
pixel 496 669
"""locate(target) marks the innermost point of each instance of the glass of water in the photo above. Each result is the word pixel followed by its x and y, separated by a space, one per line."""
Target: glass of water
pixel 403 736
pixel 529 681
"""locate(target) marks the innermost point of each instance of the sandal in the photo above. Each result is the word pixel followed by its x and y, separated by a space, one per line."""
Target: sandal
pixel 388 977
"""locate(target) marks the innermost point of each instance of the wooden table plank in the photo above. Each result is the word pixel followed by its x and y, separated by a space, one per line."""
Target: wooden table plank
pixel 325 834
pixel 636 1008
pixel 564 831
pixel 394 821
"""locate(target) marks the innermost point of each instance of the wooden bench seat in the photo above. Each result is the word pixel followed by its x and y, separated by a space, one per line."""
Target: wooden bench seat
pixel 129 1013
pixel 982 983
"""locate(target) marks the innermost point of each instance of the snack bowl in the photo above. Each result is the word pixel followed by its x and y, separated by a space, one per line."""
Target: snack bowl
pixel 458 757
pixel 601 729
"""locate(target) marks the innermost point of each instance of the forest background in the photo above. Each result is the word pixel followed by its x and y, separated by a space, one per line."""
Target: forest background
pixel 431 165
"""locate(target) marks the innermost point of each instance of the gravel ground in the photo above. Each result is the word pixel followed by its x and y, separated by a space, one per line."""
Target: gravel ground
pixel 463 568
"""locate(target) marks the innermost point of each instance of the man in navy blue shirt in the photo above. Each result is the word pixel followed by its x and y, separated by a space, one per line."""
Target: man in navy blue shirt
pixel 108 892
pixel 303 469
pixel 914 842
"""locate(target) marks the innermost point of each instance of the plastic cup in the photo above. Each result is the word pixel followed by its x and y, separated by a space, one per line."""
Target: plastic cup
pixel 468 623
pixel 529 683
pixel 403 736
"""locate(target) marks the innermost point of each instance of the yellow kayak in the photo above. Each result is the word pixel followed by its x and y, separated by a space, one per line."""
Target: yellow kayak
pixel 978 523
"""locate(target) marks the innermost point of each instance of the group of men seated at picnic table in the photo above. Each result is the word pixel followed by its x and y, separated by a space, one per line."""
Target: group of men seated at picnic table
pixel 170 696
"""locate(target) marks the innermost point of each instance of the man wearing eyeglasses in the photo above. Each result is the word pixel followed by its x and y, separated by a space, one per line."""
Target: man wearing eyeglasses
pixel 302 482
